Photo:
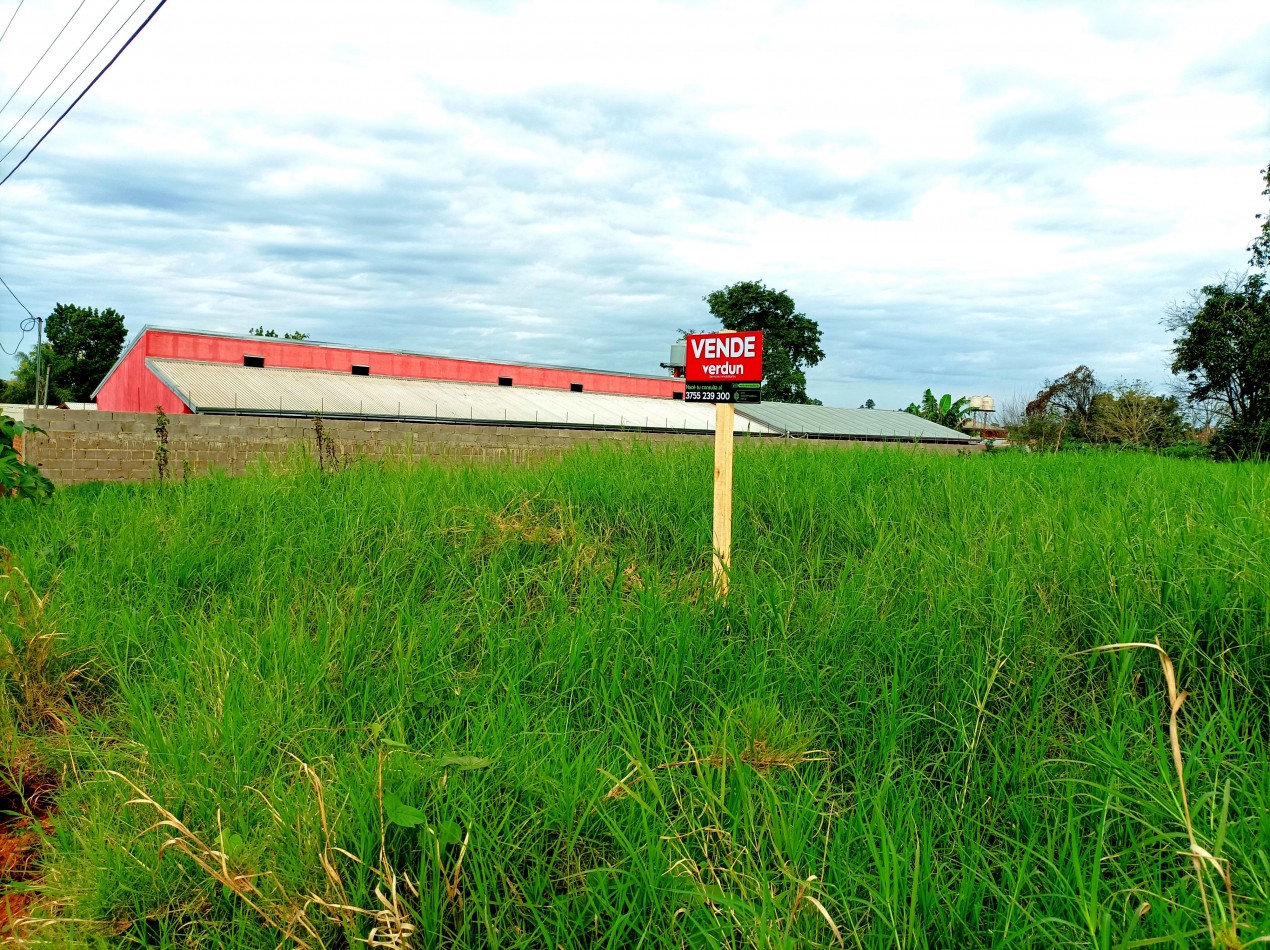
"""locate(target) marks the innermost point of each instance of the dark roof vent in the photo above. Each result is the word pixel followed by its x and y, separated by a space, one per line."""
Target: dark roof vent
pixel 256 362
pixel 575 387
pixel 677 395
pixel 504 380
pixel 360 370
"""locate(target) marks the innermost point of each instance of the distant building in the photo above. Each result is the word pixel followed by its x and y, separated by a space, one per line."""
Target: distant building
pixel 983 429
pixel 133 385
pixel 852 425
pixel 219 374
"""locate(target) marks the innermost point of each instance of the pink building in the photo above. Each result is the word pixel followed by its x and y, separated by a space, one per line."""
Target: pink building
pixel 132 385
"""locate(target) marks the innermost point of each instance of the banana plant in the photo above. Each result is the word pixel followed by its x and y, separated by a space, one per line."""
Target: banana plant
pixel 944 411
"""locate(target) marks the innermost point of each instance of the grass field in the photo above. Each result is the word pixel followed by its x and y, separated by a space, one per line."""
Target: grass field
pixel 494 706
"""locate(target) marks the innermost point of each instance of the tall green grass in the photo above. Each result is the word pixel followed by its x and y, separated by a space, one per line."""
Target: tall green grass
pixel 530 724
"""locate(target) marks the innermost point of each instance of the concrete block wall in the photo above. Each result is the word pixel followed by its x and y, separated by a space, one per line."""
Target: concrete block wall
pixel 87 446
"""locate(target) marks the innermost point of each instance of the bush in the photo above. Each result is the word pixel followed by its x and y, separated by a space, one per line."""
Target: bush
pixel 1241 440
pixel 1187 450
pixel 19 479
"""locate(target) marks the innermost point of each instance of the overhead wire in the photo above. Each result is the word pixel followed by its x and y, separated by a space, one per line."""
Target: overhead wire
pixel 33 322
pixel 102 72
pixel 42 55
pixel 15 297
pixel 65 66
pixel 11 19
pixel 26 326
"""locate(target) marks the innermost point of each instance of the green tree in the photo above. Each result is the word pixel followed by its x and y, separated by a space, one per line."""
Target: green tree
pixel 944 411
pixel 273 334
pixel 1260 246
pixel 1131 415
pixel 22 387
pixel 1223 348
pixel 791 340
pixel 1043 432
pixel 1062 408
pixel 85 342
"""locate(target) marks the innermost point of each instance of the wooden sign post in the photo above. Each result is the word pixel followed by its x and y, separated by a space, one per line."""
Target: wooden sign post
pixel 724 418
pixel 723 368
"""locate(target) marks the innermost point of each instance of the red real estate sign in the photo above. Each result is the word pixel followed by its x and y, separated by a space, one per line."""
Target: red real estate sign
pixel 724 367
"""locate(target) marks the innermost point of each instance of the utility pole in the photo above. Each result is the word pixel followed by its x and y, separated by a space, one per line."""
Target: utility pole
pixel 39 357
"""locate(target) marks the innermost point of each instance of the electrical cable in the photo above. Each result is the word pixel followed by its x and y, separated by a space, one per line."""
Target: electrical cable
pixel 42 55
pixel 15 297
pixel 26 326
pixel 11 19
pixel 69 86
pixel 66 65
pixel 134 35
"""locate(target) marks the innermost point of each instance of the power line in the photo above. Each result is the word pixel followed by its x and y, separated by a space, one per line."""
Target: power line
pixel 15 297
pixel 69 86
pixel 42 55
pixel 32 322
pixel 26 326
pixel 36 100
pixel 135 34
pixel 11 19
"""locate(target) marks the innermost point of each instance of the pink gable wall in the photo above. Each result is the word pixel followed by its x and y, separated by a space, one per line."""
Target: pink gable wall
pixel 133 388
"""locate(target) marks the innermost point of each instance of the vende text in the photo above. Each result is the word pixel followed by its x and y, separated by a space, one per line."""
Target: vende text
pixel 722 348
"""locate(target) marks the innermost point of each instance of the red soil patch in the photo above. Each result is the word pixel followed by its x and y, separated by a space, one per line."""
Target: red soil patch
pixel 21 808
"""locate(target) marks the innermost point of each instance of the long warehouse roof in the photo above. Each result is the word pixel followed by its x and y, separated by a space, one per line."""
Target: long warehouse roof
pixel 327 344
pixel 825 422
pixel 226 388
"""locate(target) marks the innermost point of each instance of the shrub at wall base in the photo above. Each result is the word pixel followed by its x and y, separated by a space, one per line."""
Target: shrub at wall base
pixel 19 479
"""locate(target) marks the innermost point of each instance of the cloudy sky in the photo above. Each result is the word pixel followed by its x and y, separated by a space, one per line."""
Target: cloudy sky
pixel 970 196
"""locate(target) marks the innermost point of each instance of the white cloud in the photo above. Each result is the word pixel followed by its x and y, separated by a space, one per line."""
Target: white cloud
pixel 968 196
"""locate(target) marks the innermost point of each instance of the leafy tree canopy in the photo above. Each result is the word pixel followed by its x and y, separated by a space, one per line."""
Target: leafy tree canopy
pixel 294 335
pixel 22 387
pixel 1223 349
pixel 1260 246
pixel 1071 396
pixel 1079 408
pixel 1131 415
pixel 85 343
pixel 791 340
pixel 1062 407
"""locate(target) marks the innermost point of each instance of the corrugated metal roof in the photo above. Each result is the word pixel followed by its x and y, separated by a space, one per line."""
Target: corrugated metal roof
pixel 826 422
pixel 222 387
